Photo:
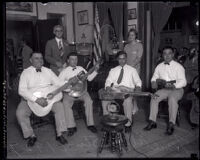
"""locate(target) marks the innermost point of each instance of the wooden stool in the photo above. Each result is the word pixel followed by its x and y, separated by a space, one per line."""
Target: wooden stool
pixel 113 127
pixel 78 109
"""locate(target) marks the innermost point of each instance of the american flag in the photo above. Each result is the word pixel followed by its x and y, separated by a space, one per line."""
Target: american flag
pixel 97 48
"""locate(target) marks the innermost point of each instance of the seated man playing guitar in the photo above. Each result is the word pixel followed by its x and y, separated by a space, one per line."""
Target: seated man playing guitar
pixel 77 76
pixel 170 75
pixel 36 82
pixel 123 78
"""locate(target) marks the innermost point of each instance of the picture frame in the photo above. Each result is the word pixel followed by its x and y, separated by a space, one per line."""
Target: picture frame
pixel 82 17
pixel 193 39
pixel 132 26
pixel 132 14
pixel 23 8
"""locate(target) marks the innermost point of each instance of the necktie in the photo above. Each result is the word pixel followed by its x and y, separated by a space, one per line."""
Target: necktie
pixel 38 70
pixel 73 68
pixel 120 76
pixel 166 63
pixel 60 47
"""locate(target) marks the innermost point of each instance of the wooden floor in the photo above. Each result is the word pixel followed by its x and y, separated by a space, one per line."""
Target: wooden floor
pixel 83 144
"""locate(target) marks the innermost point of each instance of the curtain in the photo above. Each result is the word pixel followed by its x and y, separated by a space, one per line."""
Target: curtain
pixel 160 15
pixel 117 16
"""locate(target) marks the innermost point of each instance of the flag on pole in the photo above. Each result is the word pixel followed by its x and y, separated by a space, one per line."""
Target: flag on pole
pixel 97 48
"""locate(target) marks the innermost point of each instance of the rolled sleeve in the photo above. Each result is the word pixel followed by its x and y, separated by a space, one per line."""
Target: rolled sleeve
pixel 181 79
pixel 23 89
pixel 92 76
pixel 136 78
pixel 109 79
pixel 155 74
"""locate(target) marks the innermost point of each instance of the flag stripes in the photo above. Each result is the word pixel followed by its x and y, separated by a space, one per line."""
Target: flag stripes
pixel 97 37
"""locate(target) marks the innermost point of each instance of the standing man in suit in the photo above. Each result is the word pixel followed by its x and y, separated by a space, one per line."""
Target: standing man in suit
pixel 56 50
pixel 169 70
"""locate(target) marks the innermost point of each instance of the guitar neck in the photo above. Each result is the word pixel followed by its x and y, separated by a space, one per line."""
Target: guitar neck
pixel 89 72
pixel 138 93
pixel 60 89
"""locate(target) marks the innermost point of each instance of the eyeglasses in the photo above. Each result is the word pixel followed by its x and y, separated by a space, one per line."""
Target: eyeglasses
pixel 58 30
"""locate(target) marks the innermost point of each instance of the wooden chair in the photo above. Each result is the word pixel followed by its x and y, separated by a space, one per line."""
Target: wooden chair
pixel 79 110
pixel 37 122
pixel 163 111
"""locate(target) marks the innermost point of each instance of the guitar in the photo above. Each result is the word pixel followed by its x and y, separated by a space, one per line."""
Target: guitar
pixel 105 95
pixel 80 85
pixel 45 92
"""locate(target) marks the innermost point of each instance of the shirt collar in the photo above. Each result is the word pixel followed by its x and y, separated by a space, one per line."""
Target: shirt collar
pixel 33 68
pixel 72 68
pixel 172 61
pixel 123 66
pixel 57 40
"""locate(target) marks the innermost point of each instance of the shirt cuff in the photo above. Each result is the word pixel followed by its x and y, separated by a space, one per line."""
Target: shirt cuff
pixel 33 98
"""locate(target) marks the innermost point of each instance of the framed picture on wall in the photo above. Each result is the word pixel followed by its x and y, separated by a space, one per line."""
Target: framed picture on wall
pixel 25 8
pixel 193 39
pixel 82 17
pixel 132 26
pixel 132 14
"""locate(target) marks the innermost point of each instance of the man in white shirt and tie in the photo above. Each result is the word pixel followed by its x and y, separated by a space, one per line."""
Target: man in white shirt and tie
pixel 123 78
pixel 38 78
pixel 69 72
pixel 56 50
pixel 169 70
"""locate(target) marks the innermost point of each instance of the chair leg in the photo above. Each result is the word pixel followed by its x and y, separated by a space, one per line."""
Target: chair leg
pixel 178 117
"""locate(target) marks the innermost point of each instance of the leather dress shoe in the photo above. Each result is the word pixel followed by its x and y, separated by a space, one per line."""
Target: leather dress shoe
pixel 61 139
pixel 151 125
pixel 127 129
pixel 31 141
pixel 92 129
pixel 71 131
pixel 170 128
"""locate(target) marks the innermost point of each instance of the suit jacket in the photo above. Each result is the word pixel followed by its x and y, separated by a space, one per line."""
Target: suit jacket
pixel 53 55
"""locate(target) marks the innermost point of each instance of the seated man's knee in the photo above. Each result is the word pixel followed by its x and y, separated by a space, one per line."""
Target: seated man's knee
pixel 20 113
pixel 58 106
pixel 172 99
pixel 129 100
pixel 88 100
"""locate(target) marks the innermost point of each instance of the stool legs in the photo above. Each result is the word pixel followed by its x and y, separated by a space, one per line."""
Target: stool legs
pixel 103 140
pixel 118 143
pixel 124 141
pixel 115 139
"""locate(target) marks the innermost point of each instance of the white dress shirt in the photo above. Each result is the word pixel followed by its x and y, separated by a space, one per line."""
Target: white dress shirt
pixel 130 77
pixel 70 72
pixel 31 80
pixel 173 71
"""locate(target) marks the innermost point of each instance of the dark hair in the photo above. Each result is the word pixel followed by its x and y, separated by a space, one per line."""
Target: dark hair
pixel 57 26
pixel 133 30
pixel 168 47
pixel 121 53
pixel 72 54
pixel 34 53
